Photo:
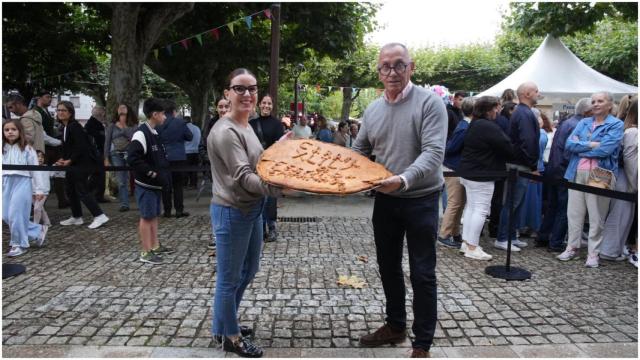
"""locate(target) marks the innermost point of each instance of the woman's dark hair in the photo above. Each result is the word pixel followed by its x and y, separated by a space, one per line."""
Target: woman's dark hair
pixel 483 105
pixel 342 124
pixel 22 141
pixel 547 126
pixel 237 72
pixel 631 119
pixel 132 118
pixel 264 96
pixel 507 108
pixel 508 95
pixel 69 106
pixel 321 118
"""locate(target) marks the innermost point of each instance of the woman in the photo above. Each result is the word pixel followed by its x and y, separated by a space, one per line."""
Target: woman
pixel 77 152
pixel 593 144
pixel 222 108
pixel 269 130
pixel 621 222
pixel 324 134
pixel 342 137
pixel 509 95
pixel 236 210
pixel 117 138
pixel 486 148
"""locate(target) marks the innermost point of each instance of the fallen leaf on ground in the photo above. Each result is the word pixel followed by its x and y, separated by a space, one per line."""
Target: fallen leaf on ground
pixel 352 281
pixel 363 258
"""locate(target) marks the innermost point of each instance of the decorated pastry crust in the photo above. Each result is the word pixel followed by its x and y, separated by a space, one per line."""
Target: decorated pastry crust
pixel 319 167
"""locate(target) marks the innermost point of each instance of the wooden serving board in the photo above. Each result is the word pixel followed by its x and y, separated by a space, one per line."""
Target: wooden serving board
pixel 318 167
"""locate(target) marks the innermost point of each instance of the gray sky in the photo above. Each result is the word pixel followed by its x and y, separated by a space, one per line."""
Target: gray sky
pixel 438 23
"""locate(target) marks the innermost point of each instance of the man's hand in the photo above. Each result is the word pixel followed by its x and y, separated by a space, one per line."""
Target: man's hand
pixel 390 184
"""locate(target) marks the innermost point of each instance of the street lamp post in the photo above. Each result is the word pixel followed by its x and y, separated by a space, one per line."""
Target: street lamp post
pixel 296 74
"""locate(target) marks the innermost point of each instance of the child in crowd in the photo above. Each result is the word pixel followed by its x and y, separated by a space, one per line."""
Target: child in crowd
pixel 146 155
pixel 40 177
pixel 16 189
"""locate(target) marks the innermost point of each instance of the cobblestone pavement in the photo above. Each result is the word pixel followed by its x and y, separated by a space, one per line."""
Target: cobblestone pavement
pixel 87 288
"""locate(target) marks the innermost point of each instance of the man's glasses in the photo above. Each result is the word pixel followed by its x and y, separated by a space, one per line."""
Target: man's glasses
pixel 241 89
pixel 399 68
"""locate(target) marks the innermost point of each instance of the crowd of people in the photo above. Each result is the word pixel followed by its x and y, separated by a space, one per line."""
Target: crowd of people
pixel 596 146
pixel 409 130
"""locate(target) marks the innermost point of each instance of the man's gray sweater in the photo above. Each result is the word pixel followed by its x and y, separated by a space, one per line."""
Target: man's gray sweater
pixel 408 138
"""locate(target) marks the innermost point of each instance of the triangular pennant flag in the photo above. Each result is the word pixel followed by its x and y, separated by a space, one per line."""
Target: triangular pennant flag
pixel 185 43
pixel 216 34
pixel 155 53
pixel 330 87
pixel 169 50
pixel 230 26
pixel 199 38
pixel 247 19
pixel 341 88
pixel 267 13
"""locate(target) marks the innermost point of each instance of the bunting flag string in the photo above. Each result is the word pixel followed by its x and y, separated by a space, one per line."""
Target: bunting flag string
pixel 319 87
pixel 215 32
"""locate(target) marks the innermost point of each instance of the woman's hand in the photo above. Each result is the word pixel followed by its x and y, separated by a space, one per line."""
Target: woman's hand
pixel 63 162
pixel 38 197
pixel 390 184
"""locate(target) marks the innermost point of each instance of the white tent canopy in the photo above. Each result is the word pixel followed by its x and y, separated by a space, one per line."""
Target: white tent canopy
pixel 556 70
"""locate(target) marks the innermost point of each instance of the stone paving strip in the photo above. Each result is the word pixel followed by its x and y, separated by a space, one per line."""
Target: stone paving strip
pixel 86 293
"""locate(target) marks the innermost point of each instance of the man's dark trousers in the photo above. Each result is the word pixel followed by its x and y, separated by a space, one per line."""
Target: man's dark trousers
pixel 175 189
pixel 393 217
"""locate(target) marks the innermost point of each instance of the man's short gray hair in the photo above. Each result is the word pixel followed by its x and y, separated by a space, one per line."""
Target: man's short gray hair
pixel 395 44
pixel 467 106
pixel 583 105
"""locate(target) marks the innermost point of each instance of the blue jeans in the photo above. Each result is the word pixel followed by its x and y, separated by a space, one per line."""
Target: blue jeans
pixel 554 225
pixel 417 218
pixel 519 191
pixel 120 159
pixel 239 245
pixel 270 213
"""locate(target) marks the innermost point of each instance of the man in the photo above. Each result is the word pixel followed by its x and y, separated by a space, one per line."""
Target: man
pixel 52 152
pixel 353 134
pixel 95 128
pixel 454 112
pixel 30 119
pixel 173 133
pixel 301 130
pixel 406 131
pixel 525 137
pixel 554 225
pixel 191 149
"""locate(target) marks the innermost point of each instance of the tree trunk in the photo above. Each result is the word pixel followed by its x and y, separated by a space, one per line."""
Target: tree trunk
pixel 135 28
pixel 346 103
pixel 199 99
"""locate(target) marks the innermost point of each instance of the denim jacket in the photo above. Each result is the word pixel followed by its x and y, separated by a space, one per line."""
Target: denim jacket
pixel 609 135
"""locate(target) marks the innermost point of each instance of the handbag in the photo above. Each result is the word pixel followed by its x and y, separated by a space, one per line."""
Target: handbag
pixel 600 178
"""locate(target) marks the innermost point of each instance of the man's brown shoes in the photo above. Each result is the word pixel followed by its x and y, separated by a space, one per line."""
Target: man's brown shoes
pixel 384 335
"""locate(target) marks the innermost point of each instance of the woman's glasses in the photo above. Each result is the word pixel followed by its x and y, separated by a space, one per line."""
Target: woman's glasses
pixel 241 89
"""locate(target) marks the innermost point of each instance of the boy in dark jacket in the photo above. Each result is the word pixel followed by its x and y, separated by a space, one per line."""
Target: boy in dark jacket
pixel 146 155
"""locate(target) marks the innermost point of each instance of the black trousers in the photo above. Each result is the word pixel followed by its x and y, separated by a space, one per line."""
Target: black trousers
pixel 53 154
pixel 97 182
pixel 77 187
pixel 174 189
pixel 496 208
pixel 192 176
pixel 417 218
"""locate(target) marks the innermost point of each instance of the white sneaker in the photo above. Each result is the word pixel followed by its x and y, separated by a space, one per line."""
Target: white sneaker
pixel 567 255
pixel 633 259
pixel 98 221
pixel 519 243
pixel 592 261
pixel 16 251
pixel 72 221
pixel 502 245
pixel 477 254
pixel 43 234
pixel 463 247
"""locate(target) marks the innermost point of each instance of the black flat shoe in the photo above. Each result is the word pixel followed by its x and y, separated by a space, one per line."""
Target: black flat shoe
pixel 182 214
pixel 123 209
pixel 167 215
pixel 245 331
pixel 242 347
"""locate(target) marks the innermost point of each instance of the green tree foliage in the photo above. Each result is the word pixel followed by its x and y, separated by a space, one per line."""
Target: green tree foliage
pixel 201 70
pixel 565 18
pixel 42 40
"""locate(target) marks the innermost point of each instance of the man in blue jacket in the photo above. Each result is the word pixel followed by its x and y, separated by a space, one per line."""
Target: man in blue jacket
pixel 525 135
pixel 173 134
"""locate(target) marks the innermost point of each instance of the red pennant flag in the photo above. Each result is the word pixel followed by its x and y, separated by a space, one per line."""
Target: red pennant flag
pixel 267 13
pixel 185 43
pixel 216 34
